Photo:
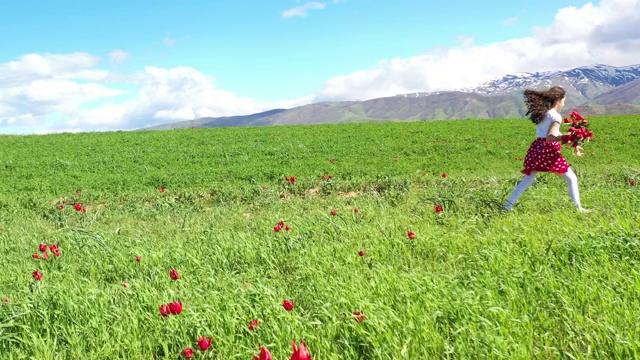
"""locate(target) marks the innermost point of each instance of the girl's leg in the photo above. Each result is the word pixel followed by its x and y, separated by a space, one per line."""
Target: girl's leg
pixel 574 193
pixel 519 190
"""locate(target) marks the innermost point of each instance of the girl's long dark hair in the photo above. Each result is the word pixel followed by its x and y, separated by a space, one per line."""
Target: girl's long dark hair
pixel 540 101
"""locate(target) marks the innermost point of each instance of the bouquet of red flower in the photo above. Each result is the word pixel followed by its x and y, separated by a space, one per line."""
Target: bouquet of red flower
pixel 578 132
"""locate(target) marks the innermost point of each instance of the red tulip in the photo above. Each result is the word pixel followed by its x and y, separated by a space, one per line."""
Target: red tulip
pixel 292 180
pixel 287 228
pixel 188 353
pixel 175 308
pixel 443 175
pixel 174 274
pixel 301 353
pixel 164 310
pixel 361 253
pixel 138 258
pixel 43 247
pixel 78 207
pixel 324 176
pixel 632 183
pixel 61 206
pixel 358 316
pixel 253 324
pixel 287 304
pixel 438 208
pixel 334 212
pixel 276 228
pixel 55 250
pixel 204 343
pixel 35 256
pixel 264 354
pixel 45 256
pixel 411 235
pixel 37 275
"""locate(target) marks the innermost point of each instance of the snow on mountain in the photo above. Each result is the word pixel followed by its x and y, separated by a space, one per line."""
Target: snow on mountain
pixel 589 81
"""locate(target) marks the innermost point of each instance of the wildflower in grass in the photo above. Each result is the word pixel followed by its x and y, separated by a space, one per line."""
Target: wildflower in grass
pixel 138 258
pixel 187 353
pixel 287 228
pixel 632 183
pixel 253 324
pixel 437 208
pixel 356 210
pixel 174 274
pixel 37 275
pixel 330 176
pixel 164 310
pixel 61 206
pixel 324 176
pixel 361 253
pixel 443 175
pixel 161 189
pixel 292 180
pixel 125 285
pixel 45 256
pixel 358 316
pixel 331 160
pixel 77 206
pixel 43 247
pixel 264 354
pixel 411 235
pixel 175 308
pixel 287 304
pixel 5 300
pixel 204 343
pixel 300 353
pixel 55 250
pixel 334 212
pixel 276 228
pixel 35 256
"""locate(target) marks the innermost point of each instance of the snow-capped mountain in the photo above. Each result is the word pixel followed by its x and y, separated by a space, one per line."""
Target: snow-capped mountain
pixel 588 81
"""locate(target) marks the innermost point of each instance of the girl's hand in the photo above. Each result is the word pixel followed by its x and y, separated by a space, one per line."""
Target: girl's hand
pixel 579 151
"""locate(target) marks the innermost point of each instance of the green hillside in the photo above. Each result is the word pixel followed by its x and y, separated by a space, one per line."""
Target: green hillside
pixel 540 282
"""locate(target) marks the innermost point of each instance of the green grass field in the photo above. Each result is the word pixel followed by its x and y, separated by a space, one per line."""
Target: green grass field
pixel 541 282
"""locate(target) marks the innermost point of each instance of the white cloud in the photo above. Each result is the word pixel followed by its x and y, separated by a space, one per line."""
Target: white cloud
pixel 83 97
pixel 169 41
pixel 35 86
pixel 606 33
pixel 118 57
pixel 510 21
pixel 303 9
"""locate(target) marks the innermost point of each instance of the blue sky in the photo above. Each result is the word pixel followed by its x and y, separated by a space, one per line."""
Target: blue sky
pixel 107 65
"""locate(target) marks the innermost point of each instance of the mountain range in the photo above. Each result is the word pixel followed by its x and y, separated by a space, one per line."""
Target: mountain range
pixel 592 90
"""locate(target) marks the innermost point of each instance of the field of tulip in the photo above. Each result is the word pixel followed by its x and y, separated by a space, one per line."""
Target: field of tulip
pixel 351 241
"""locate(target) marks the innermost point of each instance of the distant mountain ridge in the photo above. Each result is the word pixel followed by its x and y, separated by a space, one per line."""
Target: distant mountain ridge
pixel 596 90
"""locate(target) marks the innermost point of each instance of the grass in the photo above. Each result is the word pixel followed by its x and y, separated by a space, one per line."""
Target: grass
pixel 541 282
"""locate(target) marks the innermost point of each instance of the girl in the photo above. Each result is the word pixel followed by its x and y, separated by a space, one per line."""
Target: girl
pixel 544 153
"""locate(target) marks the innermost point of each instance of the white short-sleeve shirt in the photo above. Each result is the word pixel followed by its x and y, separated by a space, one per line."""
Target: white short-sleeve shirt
pixel 542 129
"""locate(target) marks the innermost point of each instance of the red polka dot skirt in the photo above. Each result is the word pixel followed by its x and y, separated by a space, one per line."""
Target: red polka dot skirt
pixel 545 156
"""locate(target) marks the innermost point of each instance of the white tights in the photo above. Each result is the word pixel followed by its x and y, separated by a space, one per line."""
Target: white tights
pixel 570 176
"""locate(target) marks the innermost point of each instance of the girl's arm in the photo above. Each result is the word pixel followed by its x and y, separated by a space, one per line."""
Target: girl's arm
pixel 554 135
pixel 554 132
